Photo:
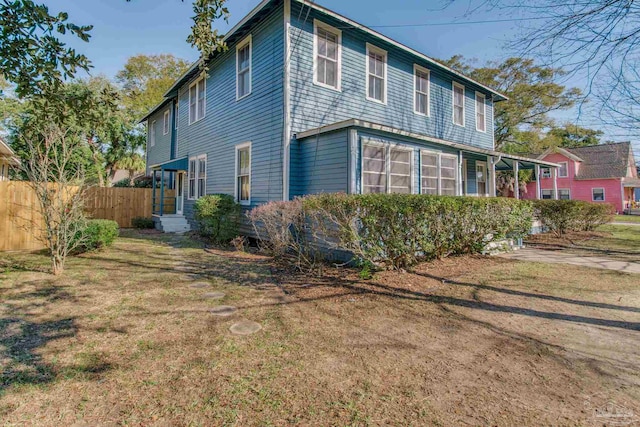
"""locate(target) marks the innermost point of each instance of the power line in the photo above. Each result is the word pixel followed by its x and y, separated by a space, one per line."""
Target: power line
pixel 440 24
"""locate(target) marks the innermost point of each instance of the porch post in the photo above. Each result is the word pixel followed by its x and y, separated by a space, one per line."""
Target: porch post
pixel 492 181
pixel 162 192
pixel 153 196
pixel 538 186
pixel 460 174
pixel 516 185
pixel 555 183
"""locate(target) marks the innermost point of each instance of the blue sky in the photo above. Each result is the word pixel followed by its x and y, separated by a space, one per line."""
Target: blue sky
pixel 123 29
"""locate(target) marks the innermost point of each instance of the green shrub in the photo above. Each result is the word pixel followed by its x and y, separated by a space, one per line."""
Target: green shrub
pixel 218 217
pixel 396 230
pixel 98 233
pixel 142 223
pixel 562 216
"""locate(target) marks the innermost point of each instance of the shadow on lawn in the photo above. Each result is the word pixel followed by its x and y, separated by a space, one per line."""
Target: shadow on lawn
pixel 356 287
pixel 22 338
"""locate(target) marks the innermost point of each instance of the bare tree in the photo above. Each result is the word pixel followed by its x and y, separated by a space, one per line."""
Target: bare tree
pixel 58 182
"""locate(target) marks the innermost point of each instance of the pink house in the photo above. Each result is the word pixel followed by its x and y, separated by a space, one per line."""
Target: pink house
pixel 603 173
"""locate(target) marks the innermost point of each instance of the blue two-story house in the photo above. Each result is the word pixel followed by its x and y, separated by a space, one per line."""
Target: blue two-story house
pixel 306 101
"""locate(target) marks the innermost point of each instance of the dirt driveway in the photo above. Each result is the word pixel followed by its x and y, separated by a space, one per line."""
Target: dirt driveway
pixel 126 339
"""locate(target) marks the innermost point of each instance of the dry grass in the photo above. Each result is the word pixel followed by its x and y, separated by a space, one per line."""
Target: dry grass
pixel 123 339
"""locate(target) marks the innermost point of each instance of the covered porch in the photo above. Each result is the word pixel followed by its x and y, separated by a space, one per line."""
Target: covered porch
pixel 631 196
pixel 537 168
pixel 168 187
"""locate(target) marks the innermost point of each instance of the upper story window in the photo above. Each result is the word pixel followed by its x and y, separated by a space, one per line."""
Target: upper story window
pixel 152 134
pixel 197 100
pixel 386 169
pixel 243 173
pixel 376 74
pixel 243 68
pixel 546 172
pixel 165 123
pixel 481 113
pixel 458 104
pixel 421 90
pixel 563 171
pixel 327 55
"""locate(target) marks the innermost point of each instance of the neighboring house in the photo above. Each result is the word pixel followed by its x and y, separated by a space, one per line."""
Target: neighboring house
pixel 603 173
pixel 307 101
pixel 121 175
pixel 7 160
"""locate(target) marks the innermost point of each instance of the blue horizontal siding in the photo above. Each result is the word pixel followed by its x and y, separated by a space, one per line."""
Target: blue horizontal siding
pixel 161 151
pixel 257 118
pixel 320 164
pixel 314 106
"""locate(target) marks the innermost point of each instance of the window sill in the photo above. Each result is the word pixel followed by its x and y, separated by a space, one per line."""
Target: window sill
pixel 242 97
pixel 377 101
pixel 418 113
pixel 326 86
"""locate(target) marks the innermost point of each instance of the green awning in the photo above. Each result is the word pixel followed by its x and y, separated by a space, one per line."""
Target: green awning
pixel 173 165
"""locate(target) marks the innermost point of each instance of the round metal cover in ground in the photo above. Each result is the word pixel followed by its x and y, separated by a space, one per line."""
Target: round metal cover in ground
pixel 223 310
pixel 214 295
pixel 199 285
pixel 245 327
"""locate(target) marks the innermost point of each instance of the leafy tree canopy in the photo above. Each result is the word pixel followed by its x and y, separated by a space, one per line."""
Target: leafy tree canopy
pixel 145 79
pixel 533 93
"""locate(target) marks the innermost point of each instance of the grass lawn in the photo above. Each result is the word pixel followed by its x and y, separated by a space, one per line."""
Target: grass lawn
pixel 634 219
pixel 123 339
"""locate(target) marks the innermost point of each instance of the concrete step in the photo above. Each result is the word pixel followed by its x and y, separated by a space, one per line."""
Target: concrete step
pixel 172 224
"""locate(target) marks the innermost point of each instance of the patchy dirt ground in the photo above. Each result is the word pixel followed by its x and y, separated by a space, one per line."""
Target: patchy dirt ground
pixel 123 339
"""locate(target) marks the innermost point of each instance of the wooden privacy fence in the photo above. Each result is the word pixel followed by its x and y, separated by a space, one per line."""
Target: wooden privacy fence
pixel 21 224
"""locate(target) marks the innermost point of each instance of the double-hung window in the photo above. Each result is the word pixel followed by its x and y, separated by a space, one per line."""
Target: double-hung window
pixel 243 173
pixel 546 172
pixel 547 194
pixel 197 176
pixel 458 104
pixel 563 171
pixel 421 90
pixel 564 194
pixel 197 100
pixel 481 178
pixel 152 134
pixel 597 194
pixel 165 123
pixel 376 74
pixel 386 168
pixel 243 68
pixel 328 55
pixel 481 113
pixel 439 173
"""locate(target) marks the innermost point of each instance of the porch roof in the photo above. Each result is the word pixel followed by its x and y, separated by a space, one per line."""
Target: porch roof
pixel 504 158
pixel 631 183
pixel 172 165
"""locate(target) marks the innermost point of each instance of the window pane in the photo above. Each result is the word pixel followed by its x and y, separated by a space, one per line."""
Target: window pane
pixel 322 42
pixel 244 187
pixel 373 152
pixel 421 103
pixel 192 169
pixel 563 170
pixel 201 99
pixel 244 162
pixel 458 115
pixel 332 46
pixel 331 78
pixel 448 187
pixel 374 176
pixel 400 171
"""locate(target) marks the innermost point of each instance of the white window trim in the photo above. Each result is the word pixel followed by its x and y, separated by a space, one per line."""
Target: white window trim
pixel 177 112
pixel 319 24
pixel 439 155
pixel 152 134
pixel 486 178
pixel 165 123
pixel 204 113
pixel 564 189
pixel 196 159
pixel 387 164
pixel 236 191
pixel 551 193
pixel 453 103
pixel 567 169
pixel 484 113
pixel 465 178
pixel 604 197
pixel 542 173
pixel 246 41
pixel 375 49
pixel 417 68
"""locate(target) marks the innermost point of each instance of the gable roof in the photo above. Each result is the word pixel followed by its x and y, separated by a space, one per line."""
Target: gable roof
pixel 604 160
pixel 266 6
pixel 601 161
pixel 7 153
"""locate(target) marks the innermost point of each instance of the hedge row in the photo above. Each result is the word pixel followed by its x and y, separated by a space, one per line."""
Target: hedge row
pixel 562 216
pixel 388 230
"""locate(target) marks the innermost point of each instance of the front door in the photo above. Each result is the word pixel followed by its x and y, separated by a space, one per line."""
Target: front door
pixel 180 193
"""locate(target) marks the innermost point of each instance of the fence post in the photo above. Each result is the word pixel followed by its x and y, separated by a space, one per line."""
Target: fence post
pixel 153 196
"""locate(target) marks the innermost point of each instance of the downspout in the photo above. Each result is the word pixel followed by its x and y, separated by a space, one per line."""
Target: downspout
pixel 286 131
